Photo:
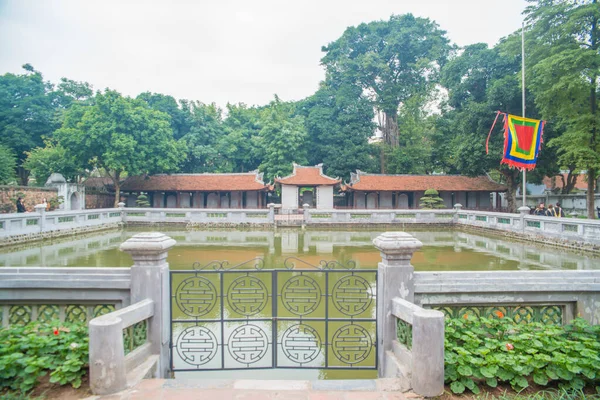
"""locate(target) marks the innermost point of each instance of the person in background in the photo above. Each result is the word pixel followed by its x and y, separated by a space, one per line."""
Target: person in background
pixel 540 210
pixel 550 211
pixel 20 206
pixel 45 202
pixel 558 211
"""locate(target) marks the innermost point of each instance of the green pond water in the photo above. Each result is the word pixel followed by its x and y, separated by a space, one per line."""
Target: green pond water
pixel 443 250
pixel 322 318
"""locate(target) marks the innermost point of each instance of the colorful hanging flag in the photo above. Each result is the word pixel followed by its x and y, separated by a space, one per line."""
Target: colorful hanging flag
pixel 522 141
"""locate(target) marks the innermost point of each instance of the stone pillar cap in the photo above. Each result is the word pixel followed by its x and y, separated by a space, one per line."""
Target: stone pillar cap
pixel 394 241
pixel 458 205
pixel 148 242
pixel 523 209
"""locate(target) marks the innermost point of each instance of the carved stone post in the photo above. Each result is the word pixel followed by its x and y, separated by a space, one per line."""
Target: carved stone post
pixel 395 278
pixel 122 210
pixel 150 280
pixel 457 208
pixel 523 212
pixel 41 209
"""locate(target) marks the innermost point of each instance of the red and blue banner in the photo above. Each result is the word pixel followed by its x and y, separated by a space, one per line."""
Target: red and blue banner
pixel 522 141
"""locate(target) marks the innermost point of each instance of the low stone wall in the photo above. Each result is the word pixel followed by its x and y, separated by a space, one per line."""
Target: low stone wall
pixel 31 197
pixel 98 199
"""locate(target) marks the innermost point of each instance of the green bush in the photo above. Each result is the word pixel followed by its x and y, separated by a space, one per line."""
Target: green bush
pixel 431 200
pixel 28 352
pixel 142 200
pixel 482 351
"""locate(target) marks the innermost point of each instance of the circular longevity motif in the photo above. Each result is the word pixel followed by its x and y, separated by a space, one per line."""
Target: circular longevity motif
pixel 197 345
pixel 196 296
pixel 248 295
pixel 301 295
pixel 248 344
pixel 301 343
pixel 352 295
pixel 351 344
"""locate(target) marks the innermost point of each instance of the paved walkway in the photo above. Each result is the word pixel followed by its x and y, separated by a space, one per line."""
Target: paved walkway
pixel 215 389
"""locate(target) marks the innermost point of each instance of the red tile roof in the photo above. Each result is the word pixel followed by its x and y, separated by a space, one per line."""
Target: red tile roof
pixel 308 176
pixel 416 183
pixel 197 182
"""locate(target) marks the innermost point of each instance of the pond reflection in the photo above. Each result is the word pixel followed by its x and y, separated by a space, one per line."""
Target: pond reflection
pixel 443 250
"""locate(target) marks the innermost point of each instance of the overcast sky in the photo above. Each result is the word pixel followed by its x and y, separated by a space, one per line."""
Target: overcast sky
pixel 214 51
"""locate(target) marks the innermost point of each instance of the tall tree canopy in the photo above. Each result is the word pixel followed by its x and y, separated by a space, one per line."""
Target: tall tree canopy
pixel 339 122
pixel 120 135
pixel 283 139
pixel 8 163
pixel 392 61
pixel 564 39
pixel 27 114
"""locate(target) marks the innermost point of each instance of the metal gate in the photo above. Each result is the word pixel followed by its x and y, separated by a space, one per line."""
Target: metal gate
pixel 247 317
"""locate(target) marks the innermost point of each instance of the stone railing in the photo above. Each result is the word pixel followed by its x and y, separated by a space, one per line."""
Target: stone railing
pixel 21 226
pixel 563 229
pixel 197 216
pixel 31 226
pixel 418 349
pixel 113 369
pixel 552 297
pixel 65 294
pixel 314 217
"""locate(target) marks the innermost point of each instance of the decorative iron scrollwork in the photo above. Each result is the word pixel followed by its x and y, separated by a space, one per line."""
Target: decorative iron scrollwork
pixel 299 315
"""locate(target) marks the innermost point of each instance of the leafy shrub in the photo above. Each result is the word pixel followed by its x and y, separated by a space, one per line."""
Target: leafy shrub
pixel 482 351
pixel 431 199
pixel 142 200
pixel 28 352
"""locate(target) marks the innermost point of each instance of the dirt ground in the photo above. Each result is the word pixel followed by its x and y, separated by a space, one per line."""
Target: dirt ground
pixel 52 391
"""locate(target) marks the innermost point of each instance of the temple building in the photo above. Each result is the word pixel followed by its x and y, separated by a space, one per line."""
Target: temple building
pixel 241 190
pixel 307 185
pixel 373 191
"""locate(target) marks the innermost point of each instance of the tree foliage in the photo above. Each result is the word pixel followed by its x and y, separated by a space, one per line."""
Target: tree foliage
pixel 565 40
pixel 283 139
pixel 43 161
pixel 8 163
pixel 120 135
pixel 339 122
pixel 26 113
pixel 390 60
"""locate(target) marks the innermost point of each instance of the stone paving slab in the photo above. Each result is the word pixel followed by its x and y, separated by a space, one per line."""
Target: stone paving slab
pixel 216 389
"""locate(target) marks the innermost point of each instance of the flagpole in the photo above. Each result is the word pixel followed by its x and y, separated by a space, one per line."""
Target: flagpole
pixel 523 100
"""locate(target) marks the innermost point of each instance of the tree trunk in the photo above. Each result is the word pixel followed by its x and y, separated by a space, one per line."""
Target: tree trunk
pixel 571 181
pixel 23 175
pixel 382 157
pixel 391 135
pixel 591 181
pixel 511 185
pixel 591 172
pixel 116 181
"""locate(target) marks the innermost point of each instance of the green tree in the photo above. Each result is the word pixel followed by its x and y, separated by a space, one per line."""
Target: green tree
pixel 414 155
pixel 180 112
pixel 8 164
pixel 120 135
pixel 282 138
pixel 339 122
pixel 564 41
pixel 27 111
pixel 480 81
pixel 391 61
pixel 43 161
pixel 240 144
pixel 201 141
